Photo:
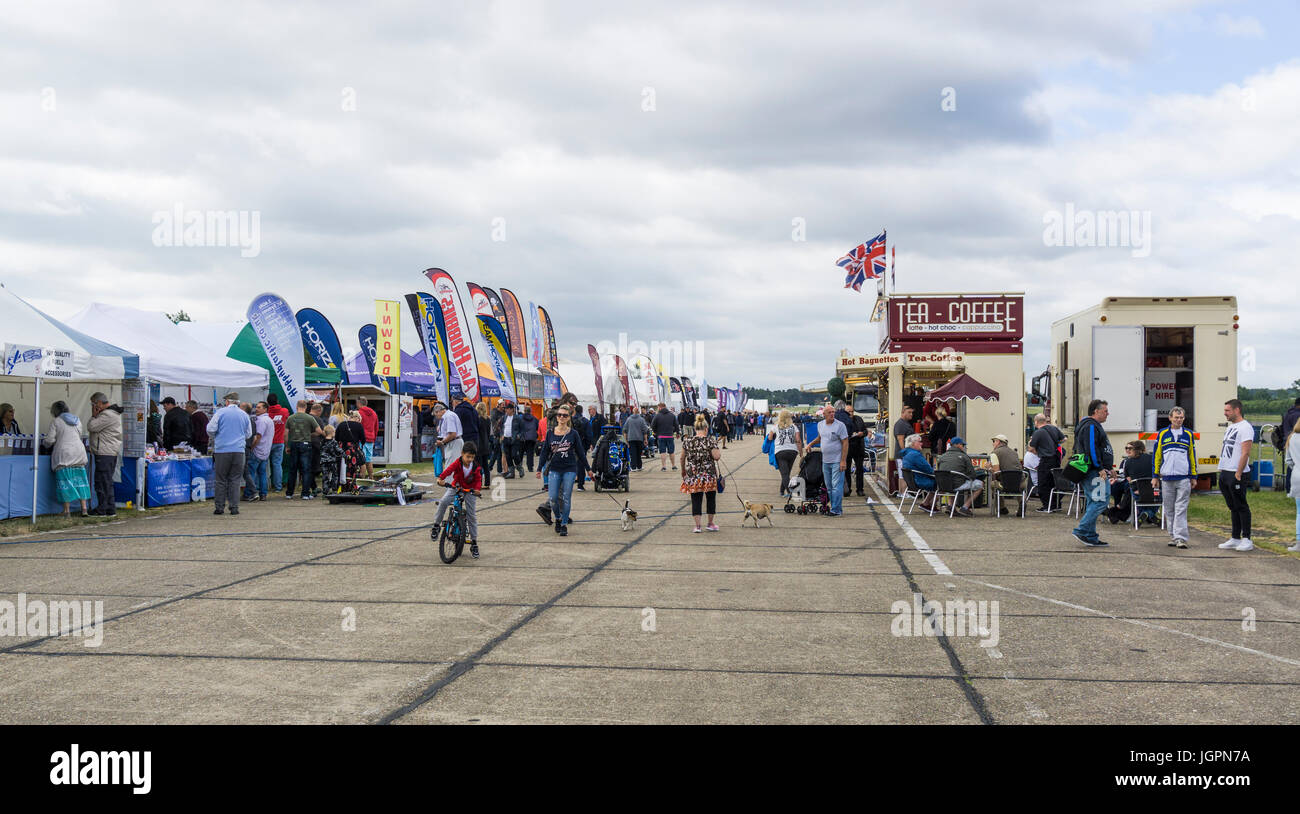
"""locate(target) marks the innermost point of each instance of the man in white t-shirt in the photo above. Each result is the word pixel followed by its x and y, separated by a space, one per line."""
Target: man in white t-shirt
pixel 833 438
pixel 1234 460
pixel 449 432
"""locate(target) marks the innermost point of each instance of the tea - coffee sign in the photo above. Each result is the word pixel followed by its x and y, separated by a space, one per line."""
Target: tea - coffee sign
pixel 970 316
pixel 944 360
pixel 35 361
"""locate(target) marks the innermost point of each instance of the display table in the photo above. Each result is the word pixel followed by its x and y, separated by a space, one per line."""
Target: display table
pixel 165 482
pixel 16 487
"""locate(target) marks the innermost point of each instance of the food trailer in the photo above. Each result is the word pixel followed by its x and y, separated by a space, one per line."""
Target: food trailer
pixel 927 342
pixel 1144 355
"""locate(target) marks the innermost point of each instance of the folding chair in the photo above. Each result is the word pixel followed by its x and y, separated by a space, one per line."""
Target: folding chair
pixel 910 489
pixel 945 485
pixel 1014 485
pixel 1061 486
pixel 1142 496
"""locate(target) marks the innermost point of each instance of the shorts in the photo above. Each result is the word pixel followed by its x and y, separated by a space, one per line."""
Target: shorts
pixel 666 444
pixel 974 484
pixel 368 451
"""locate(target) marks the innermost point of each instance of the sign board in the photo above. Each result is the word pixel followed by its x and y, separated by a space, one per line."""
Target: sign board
pixel 956 317
pixel 944 359
pixel 135 417
pixel 1162 391
pixel 33 361
pixel 388 355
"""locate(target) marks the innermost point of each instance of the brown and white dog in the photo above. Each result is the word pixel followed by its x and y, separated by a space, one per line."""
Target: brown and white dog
pixel 629 516
pixel 757 511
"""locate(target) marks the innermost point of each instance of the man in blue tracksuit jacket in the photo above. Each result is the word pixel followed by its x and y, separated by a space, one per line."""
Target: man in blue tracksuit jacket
pixel 1090 440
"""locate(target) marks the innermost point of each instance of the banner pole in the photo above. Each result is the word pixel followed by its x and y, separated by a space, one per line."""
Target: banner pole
pixel 36 448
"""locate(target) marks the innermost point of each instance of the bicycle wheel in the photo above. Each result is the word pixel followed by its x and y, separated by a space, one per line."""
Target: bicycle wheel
pixel 450 544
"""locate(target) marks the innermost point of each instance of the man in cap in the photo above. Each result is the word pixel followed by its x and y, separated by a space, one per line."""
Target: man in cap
pixel 1005 458
pixel 956 460
pixel 176 424
pixel 229 430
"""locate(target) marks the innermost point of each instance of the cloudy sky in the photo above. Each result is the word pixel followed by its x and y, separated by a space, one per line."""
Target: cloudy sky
pixel 646 164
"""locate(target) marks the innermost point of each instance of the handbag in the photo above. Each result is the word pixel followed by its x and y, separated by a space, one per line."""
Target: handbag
pixel 1076 469
pixel 722 484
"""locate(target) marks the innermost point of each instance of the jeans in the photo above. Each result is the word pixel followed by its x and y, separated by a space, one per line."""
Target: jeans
pixel 834 484
pixel 1095 497
pixel 277 469
pixel 256 468
pixel 471 512
pixel 1174 497
pixel 559 487
pixel 1234 494
pixel 299 468
pixel 227 470
pixel 104 500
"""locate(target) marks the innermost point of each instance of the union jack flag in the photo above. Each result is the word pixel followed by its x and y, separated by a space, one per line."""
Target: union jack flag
pixel 863 261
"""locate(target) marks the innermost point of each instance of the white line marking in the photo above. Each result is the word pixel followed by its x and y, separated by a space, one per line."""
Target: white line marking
pixel 922 546
pixel 918 542
pixel 1138 622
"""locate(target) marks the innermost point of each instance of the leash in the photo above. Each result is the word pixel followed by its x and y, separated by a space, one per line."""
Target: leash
pixel 734 480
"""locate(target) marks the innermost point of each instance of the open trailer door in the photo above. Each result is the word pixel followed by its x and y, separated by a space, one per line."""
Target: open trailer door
pixel 1118 373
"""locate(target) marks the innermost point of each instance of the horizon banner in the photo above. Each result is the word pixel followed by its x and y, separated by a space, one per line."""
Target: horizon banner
pixel 433 337
pixel 600 378
pixel 276 328
pixel 388 354
pixel 499 313
pixel 553 361
pixel 494 336
pixel 460 342
pixel 320 339
pixel 515 324
pixel 367 337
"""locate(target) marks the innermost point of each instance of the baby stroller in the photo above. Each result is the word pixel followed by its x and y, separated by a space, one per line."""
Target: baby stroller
pixel 611 464
pixel 817 500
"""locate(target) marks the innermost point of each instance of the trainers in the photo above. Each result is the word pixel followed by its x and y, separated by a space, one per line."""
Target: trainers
pixel 1180 544
pixel 712 527
pixel 1294 546
pixel 698 530
pixel 962 511
pixel 218 511
pixel 1245 545
pixel 1098 543
pixel 234 511
pixel 564 531
pixel 308 497
pixel 1233 543
pixel 544 512
pixel 1044 511
pixel 288 496
pixel 473 549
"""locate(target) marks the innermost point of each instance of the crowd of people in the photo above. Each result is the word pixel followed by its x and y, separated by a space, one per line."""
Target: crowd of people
pixel 262 448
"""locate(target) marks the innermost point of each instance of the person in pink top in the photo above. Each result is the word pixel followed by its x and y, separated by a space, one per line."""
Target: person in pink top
pixel 370 424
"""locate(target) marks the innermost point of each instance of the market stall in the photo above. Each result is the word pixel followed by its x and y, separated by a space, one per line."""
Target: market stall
pixel 930 341
pixel 172 363
pixel 46 361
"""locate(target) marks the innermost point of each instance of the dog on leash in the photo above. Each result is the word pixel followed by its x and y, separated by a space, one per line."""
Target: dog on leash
pixel 757 511
pixel 629 516
pixel 798 488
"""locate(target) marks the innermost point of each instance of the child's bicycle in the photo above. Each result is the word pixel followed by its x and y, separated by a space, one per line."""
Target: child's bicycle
pixel 450 534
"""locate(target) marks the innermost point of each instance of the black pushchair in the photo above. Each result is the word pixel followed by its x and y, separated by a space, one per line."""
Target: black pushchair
pixel 611 464
pixel 817 499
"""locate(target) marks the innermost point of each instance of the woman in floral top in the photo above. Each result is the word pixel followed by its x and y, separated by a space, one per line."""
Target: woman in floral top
pixel 700 471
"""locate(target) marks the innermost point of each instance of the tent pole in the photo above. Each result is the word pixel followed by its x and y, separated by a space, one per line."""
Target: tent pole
pixel 36 448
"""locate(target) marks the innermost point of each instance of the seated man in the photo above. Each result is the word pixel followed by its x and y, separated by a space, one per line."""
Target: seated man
pixel 1137 466
pixel 1004 458
pixel 914 459
pixel 957 461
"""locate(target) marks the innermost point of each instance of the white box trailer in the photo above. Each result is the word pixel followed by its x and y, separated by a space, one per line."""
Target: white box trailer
pixel 1144 355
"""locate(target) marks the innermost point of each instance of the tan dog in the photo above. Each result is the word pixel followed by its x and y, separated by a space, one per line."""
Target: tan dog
pixel 757 511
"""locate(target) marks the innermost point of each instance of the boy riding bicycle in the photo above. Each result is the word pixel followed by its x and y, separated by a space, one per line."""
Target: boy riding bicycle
pixel 465 475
